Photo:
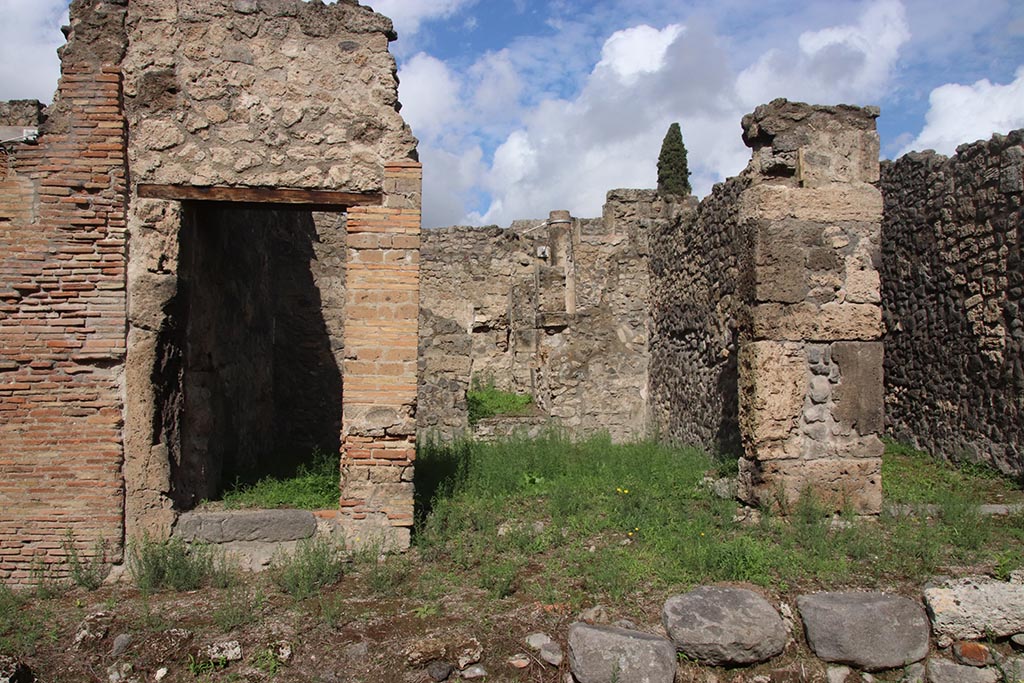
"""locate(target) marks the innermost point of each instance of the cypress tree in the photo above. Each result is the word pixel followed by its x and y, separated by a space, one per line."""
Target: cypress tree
pixel 673 173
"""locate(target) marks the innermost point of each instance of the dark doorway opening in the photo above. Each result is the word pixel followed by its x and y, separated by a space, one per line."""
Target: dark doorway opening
pixel 256 344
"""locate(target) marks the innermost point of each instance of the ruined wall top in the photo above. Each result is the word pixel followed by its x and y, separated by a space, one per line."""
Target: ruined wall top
pixel 21 113
pixel 812 145
pixel 262 93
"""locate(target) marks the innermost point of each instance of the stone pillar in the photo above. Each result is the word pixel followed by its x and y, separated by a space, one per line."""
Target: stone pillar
pixel 381 327
pixel 810 359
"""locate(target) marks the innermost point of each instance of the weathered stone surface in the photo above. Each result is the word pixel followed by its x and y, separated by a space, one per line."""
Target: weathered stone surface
pixel 246 525
pixel 552 653
pixel 724 626
pixel 813 144
pixel 944 671
pixel 975 607
pixel 830 204
pixel 872 631
pixel 606 654
pixel 971 653
pixel 1012 669
pixel 954 304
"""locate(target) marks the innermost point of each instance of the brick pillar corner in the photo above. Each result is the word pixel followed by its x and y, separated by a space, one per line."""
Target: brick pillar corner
pixel 380 366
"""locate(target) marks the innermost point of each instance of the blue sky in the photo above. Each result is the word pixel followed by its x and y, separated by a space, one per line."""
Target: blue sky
pixel 524 106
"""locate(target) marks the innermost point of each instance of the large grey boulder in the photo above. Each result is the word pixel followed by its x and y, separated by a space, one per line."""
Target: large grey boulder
pixel 724 626
pixel 975 607
pixel 607 654
pixel 944 671
pixel 871 631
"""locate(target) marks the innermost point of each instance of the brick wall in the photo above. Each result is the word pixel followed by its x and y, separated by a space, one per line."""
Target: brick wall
pixel 62 317
pixel 379 422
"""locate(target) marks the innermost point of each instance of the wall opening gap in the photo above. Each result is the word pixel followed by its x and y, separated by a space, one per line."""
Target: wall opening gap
pixel 256 388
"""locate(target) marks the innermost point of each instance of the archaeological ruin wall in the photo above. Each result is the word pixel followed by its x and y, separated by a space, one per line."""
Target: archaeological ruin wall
pixel 953 288
pixel 63 203
pixel 748 323
pixel 810 362
pixel 553 308
pixel 248 291
pixel 696 308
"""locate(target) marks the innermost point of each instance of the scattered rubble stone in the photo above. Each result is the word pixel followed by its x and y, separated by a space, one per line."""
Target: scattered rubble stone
pixel 538 640
pixel 92 630
pixel 603 654
pixel 552 653
pixel 468 652
pixel 975 607
pixel 724 626
pixel 944 671
pixel 121 643
pixel 227 650
pixel 594 615
pixel 473 672
pixel 439 670
pixel 519 661
pixel 871 631
pixel 1017 641
pixel 972 653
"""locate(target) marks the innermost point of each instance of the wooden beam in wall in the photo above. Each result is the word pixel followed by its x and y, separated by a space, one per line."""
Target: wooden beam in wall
pixel 260 195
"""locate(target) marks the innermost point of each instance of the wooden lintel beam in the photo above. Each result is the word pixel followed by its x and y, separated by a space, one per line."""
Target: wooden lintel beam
pixel 259 195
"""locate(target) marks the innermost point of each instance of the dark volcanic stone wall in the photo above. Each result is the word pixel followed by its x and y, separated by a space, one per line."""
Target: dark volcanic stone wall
pixel 694 309
pixel 952 288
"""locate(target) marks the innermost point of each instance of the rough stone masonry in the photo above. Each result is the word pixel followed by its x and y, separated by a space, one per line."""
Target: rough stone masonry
pixel 211 261
pixel 174 273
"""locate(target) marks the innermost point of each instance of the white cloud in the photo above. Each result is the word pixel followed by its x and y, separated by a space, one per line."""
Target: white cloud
pixel 29 38
pixel 965 113
pixel 851 63
pixel 638 50
pixel 558 151
pixel 409 14
pixel 430 95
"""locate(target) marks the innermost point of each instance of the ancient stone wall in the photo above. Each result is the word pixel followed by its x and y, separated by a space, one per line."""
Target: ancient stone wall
pixel 556 309
pixel 275 93
pixel 132 380
pixel 952 290
pixel 279 96
pixel 810 357
pixel 695 312
pixel 62 308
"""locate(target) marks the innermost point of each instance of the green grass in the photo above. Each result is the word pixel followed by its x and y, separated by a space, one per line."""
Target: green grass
pixel 484 400
pixel 315 486
pixel 170 564
pixel 553 519
pixel 911 476
pixel 316 563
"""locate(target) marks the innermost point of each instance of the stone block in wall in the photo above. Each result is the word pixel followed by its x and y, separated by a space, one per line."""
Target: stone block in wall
pixel 813 144
pixel 811 414
pixel 808 321
pixel 828 205
pixel 839 484
pixel 773 383
pixel 859 395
